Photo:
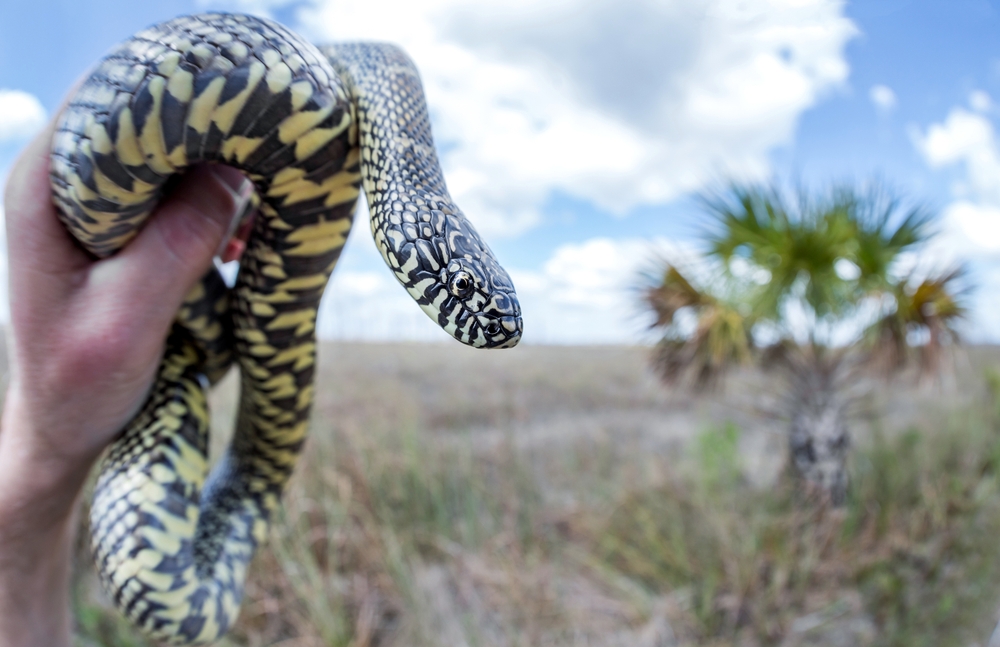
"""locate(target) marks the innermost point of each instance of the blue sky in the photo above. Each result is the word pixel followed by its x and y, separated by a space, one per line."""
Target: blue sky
pixel 574 132
pixel 932 55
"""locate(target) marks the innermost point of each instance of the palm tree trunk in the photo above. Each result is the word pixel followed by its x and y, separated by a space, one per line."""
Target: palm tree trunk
pixel 819 438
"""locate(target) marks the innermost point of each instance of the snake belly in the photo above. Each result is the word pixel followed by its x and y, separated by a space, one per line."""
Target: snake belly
pixel 172 541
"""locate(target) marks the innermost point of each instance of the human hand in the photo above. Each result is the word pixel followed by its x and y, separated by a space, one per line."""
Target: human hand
pixel 86 340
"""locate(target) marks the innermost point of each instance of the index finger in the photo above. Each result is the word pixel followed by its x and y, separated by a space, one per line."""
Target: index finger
pixel 37 241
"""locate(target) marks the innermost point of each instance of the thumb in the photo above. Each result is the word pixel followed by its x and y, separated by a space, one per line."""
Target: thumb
pixel 154 271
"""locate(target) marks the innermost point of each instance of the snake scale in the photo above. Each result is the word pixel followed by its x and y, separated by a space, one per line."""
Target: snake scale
pixel 310 127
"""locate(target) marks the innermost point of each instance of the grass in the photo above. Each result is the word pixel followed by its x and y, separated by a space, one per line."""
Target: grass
pixel 916 541
pixel 560 497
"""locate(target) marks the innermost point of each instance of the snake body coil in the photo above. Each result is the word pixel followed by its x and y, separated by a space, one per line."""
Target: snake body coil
pixel 172 542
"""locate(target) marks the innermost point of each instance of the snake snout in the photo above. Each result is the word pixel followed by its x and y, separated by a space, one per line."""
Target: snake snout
pixel 502 325
pixel 497 332
pixel 512 328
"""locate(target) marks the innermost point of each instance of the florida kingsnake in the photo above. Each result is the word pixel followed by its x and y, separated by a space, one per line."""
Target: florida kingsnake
pixel 308 126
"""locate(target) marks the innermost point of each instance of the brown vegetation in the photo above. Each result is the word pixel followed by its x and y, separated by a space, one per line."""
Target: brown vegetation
pixel 559 496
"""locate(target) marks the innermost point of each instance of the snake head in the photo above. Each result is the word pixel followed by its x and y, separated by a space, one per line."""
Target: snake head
pixel 424 238
pixel 481 307
pixel 451 273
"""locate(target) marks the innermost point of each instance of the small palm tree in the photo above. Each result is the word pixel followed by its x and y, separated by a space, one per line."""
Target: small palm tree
pixel 816 288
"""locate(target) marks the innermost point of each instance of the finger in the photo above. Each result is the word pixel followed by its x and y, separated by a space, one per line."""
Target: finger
pixel 237 243
pixel 175 248
pixel 37 241
pixel 45 264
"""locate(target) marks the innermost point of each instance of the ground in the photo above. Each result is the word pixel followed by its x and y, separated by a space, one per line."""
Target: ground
pixel 563 496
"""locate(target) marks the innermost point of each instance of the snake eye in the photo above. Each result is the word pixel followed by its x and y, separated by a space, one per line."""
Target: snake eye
pixel 460 284
pixel 493 329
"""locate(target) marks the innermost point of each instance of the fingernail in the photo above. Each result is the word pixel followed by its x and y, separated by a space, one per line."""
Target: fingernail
pixel 233 178
pixel 232 250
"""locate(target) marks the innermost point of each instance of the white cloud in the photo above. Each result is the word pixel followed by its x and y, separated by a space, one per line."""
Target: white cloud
pixel 883 97
pixel 971 222
pixel 618 102
pixel 977 226
pixel 962 137
pixel 21 115
pixel 364 301
pixel 968 140
pixel 588 292
pixel 980 101
pixel 372 305
pixel 584 292
pixel 985 315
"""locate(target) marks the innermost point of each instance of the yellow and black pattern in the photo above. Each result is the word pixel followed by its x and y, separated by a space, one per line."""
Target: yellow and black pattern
pixel 171 541
pixel 434 252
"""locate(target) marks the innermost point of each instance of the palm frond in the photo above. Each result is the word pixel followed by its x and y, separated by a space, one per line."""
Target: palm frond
pixel 722 331
pixel 817 263
pixel 923 322
pixel 885 229
pixel 673 292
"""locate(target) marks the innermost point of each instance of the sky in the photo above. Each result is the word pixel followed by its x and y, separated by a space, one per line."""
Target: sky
pixel 574 134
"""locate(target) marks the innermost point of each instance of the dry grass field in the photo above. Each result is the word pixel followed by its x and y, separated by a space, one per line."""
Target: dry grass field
pixel 561 496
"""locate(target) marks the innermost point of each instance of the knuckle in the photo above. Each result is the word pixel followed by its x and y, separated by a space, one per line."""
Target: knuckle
pixel 199 216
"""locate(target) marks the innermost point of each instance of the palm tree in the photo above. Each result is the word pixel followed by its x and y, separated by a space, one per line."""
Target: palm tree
pixel 815 288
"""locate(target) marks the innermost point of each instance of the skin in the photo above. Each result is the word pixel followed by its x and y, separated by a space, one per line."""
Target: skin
pixel 84 344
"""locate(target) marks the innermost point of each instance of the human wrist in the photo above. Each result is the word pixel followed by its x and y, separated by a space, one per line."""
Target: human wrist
pixel 35 571
pixel 38 519
pixel 39 483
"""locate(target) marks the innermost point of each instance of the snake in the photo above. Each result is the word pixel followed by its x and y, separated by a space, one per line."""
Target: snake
pixel 173 534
